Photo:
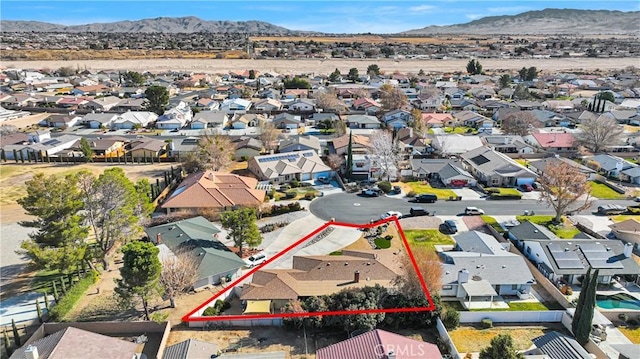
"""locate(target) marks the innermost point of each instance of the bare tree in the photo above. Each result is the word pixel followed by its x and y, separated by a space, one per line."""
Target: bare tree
pixel 215 151
pixel 417 124
pixel 599 132
pixel 335 161
pixel 340 128
pixel 386 152
pixel 360 93
pixel 519 123
pixel 268 135
pixel 430 269
pixel 564 188
pixel 329 101
pixel 8 129
pixel 392 98
pixel 178 274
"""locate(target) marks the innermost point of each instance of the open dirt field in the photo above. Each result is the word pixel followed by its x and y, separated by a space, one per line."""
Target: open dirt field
pixel 326 66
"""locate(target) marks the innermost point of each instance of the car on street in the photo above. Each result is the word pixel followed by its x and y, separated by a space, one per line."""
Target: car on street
pixel 391 214
pixel 637 199
pixel 526 187
pixel 471 211
pixel 607 209
pixel 450 226
pixel 255 260
pixel 369 193
pixel 418 211
pixel 425 198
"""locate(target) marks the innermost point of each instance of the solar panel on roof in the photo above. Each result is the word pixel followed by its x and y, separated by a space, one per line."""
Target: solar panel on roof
pixel 589 247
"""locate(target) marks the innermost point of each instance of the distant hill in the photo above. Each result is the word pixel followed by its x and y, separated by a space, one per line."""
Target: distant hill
pixel 160 24
pixel 547 21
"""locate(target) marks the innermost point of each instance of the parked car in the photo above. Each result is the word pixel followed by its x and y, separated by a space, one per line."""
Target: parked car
pixel 255 260
pixel 469 211
pixel 637 199
pixel 369 193
pixel 418 211
pixel 450 226
pixel 323 180
pixel 391 214
pixel 426 198
pixel 526 187
pixel 607 209
pixel 395 190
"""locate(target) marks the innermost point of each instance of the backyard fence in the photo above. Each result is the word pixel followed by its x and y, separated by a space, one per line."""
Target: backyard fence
pixel 547 316
pixel 446 339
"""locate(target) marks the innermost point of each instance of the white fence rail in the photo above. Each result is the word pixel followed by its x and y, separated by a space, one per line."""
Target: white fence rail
pixel 549 316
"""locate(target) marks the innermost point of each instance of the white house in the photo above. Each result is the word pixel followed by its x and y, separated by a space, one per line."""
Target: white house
pixel 132 119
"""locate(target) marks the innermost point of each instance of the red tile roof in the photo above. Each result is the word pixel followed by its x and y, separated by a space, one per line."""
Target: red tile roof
pixel 554 140
pixel 379 344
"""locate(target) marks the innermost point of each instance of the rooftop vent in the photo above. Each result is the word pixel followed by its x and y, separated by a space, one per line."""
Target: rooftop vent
pixel 345 263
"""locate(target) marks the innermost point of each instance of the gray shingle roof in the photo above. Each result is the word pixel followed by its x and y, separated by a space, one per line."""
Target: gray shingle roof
pixel 190 349
pixel 559 346
pixel 527 230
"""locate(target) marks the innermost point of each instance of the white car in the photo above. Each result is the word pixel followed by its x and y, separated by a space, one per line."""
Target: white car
pixel 391 214
pixel 255 260
pixel 473 211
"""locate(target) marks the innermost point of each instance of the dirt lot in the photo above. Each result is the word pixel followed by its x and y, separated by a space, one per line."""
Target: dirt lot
pixel 472 339
pixel 326 66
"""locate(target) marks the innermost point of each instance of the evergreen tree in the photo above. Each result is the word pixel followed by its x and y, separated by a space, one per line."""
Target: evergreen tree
pixel 350 157
pixel 353 74
pixel 335 76
pixel 581 301
pixel 16 335
pixel 242 228
pixel 582 321
pixel 501 348
pixel 157 97
pixel 474 67
pixel 86 150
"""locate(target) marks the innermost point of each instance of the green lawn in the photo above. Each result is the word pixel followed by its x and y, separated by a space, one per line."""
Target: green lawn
pixel 537 219
pixel 633 333
pixel 564 231
pixel 382 243
pixel 427 238
pixel 460 130
pixel 521 307
pixel 522 161
pixel 492 222
pixel 623 217
pixel 422 187
pixel 601 191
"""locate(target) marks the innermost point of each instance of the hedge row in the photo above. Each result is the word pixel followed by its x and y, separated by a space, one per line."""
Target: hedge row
pixel 73 295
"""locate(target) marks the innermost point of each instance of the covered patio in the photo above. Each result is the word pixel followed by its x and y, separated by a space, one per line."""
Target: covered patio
pixel 480 295
pixel 258 307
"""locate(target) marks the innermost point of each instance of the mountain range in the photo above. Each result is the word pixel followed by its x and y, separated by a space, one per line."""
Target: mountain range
pixel 547 21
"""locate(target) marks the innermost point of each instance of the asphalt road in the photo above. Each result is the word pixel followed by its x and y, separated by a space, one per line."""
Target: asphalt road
pixel 353 208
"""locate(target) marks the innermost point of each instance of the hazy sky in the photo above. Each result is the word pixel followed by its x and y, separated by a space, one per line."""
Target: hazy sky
pixel 332 16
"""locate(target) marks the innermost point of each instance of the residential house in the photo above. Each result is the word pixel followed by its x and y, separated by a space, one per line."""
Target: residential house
pixel 539 166
pixel 287 121
pixel 295 93
pixel 148 148
pixel 183 146
pixel 300 143
pixel 247 148
pixel 209 119
pixel 207 103
pixel 508 144
pixel 302 105
pixel 94 90
pixel 286 167
pixel 39 136
pixel 129 92
pixel 367 167
pixel 449 171
pixel 546 118
pixel 449 145
pixel 552 141
pixel 397 118
pixel 14 139
pixel 267 105
pixel 71 342
pixel 438 120
pixel 555 345
pixel 321 275
pixel 73 103
pixel 608 165
pixel 631 175
pixel 99 120
pixel 474 120
pixel 628 231
pixel 409 143
pixel 134 119
pixel 190 349
pixel 130 104
pixel 369 106
pixel 215 191
pixel 62 121
pixel 363 121
pixel 175 118
pixel 49 147
pixel 105 147
pixel 481 270
pixel 247 120
pixel 197 237
pixel 495 169
pixel 340 145
pixel 558 105
pixel 103 103
pixel 320 117
pixel 379 344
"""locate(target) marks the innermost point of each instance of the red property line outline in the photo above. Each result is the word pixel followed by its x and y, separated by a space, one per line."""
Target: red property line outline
pixel 430 307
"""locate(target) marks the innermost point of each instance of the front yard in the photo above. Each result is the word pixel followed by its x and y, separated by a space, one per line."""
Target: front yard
pixel 422 187
pixel 469 339
pixel 633 333
pixel 427 238
pixel 566 230
pixel 601 191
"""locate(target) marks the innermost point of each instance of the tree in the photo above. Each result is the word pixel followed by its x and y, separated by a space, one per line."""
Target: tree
pixel 157 97
pixel 133 78
pixel 583 315
pixel 607 96
pixel 140 275
pixel 353 74
pixel 505 81
pixel 350 157
pixel 374 70
pixel 532 73
pixel 521 92
pixel 339 128
pixel 335 161
pixel 115 208
pixel 392 98
pixel 519 123
pixel 242 228
pixel 215 151
pixel 8 129
pixel 386 153
pixel 296 83
pixel 430 269
pixel 474 67
pixel 418 123
pixel 522 73
pixel 268 135
pixel 335 76
pixel 65 71
pixel 86 150
pixel 358 299
pixel 599 132
pixel 191 162
pixel 59 239
pixel 252 74
pixel 178 274
pixel 501 348
pixel 564 188
pixel 329 101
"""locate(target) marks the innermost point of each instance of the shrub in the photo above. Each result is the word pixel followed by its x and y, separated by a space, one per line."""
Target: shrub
pixel 411 194
pixel 309 196
pixel 632 322
pixel 305 184
pixel 451 319
pixel 486 323
pixel 285 187
pixel 493 190
pixel 221 305
pixel 385 186
pixel 295 184
pixel 210 312
pixel 623 316
pixel 290 194
pixel 72 296
pixel 244 158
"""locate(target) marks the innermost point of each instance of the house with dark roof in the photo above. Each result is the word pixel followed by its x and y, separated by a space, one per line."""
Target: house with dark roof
pixel 289 166
pixel 628 231
pixel 214 190
pixel 495 169
pixel 609 165
pixel 449 171
pixel 397 118
pixel 198 238
pixel 363 121
pixel 359 144
pixel 247 148
pixel 508 144
pixel 555 345
pixel 300 143
pixel 379 344
pixel 474 120
pixel 287 121
pixel 539 166
pixel 209 119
